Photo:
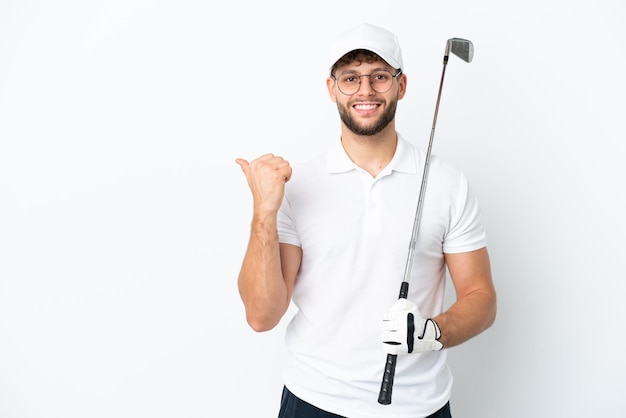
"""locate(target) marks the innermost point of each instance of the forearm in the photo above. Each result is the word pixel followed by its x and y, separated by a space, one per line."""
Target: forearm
pixel 261 284
pixel 467 317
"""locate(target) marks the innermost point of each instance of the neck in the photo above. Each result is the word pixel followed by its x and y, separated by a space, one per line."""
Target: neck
pixel 371 153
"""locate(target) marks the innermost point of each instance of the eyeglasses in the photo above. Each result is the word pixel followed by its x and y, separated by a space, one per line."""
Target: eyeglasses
pixel 380 81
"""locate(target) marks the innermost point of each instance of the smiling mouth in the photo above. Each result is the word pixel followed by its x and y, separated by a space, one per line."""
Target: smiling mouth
pixel 366 109
pixel 366 106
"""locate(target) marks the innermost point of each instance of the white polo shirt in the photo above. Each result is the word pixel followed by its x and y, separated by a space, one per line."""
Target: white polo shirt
pixel 354 231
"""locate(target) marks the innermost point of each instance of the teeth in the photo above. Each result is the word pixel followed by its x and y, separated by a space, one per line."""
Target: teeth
pixel 365 106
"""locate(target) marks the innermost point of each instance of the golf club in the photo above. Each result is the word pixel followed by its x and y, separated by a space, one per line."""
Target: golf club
pixel 463 49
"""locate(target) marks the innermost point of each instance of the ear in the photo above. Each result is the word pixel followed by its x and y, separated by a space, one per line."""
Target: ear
pixel 402 81
pixel 332 92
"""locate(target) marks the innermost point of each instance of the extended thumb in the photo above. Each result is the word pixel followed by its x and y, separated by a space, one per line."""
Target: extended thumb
pixel 243 164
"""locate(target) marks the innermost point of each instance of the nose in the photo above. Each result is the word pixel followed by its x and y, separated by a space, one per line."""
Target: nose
pixel 365 87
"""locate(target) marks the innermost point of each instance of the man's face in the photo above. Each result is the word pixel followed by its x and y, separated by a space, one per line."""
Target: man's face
pixel 366 112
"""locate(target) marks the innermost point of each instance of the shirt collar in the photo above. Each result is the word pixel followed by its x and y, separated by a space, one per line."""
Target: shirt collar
pixel 338 161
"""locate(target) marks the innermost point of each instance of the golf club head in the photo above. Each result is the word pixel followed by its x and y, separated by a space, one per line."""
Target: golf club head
pixel 462 48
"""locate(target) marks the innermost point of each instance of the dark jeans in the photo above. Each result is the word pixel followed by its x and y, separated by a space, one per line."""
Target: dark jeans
pixel 293 407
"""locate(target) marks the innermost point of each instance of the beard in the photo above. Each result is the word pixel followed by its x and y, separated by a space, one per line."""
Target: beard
pixel 366 130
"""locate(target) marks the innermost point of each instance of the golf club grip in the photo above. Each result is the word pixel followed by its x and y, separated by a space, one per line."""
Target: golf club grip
pixel 386 386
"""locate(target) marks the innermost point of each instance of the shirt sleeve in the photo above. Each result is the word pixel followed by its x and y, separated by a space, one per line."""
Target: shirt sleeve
pixel 287 233
pixel 466 231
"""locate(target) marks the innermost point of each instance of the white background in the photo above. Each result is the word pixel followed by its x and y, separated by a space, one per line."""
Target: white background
pixel 124 218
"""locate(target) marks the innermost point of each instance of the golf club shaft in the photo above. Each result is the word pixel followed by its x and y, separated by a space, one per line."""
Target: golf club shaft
pixel 386 387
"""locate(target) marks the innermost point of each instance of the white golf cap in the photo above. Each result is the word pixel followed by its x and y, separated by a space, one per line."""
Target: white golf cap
pixel 370 37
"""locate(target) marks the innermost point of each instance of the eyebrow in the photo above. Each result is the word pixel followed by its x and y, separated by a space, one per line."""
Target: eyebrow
pixel 388 69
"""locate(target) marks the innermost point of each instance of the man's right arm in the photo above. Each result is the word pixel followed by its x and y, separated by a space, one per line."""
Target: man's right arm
pixel 269 269
pixel 267 275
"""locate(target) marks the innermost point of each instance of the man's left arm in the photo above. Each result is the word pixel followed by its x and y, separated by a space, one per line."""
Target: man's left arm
pixel 475 307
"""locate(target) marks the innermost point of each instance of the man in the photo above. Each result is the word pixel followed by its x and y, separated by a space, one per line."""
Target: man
pixel 332 235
